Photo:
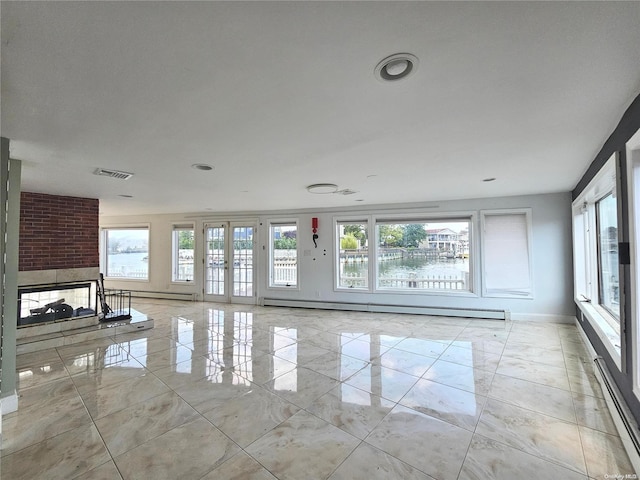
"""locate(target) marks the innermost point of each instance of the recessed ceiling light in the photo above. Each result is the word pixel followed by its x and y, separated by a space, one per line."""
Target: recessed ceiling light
pixel 396 67
pixel 488 179
pixel 202 166
pixel 322 188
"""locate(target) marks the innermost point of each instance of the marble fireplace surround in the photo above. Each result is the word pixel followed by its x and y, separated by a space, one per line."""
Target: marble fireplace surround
pixel 49 277
pixel 30 338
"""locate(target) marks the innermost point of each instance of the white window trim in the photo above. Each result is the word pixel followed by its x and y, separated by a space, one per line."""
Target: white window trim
pixel 427 216
pixel 275 222
pixel 594 314
pixel 177 227
pixel 253 224
pixel 104 255
pixel 603 183
pixel 336 264
pixel 633 188
pixel 507 211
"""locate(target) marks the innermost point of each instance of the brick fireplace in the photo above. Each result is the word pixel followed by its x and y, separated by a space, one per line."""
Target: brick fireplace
pixel 59 259
pixel 58 233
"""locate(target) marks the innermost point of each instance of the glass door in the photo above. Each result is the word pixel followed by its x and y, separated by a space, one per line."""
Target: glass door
pixel 229 262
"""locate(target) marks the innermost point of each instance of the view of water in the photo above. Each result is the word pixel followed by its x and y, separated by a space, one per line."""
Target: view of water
pixel 134 265
pixel 412 268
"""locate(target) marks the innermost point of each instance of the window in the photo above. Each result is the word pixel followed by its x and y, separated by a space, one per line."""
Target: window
pixel 633 187
pixel 126 253
pixel 595 257
pixel 284 254
pixel 183 250
pixel 507 253
pixel 353 257
pixel 424 255
pixel 607 221
pixel 243 261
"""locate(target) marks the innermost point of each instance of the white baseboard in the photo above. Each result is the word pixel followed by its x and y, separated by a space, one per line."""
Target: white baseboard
pixel 164 295
pixel 9 403
pixel 543 318
pixel 387 308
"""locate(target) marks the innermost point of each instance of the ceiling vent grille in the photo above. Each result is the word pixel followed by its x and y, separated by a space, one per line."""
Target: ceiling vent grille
pixel 113 173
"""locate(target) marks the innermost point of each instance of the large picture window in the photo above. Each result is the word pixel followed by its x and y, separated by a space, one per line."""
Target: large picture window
pixel 183 251
pixel 424 255
pixel 126 253
pixel 353 258
pixel 284 254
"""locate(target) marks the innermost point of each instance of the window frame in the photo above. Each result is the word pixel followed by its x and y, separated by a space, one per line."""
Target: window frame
pixel 279 223
pixel 424 217
pixel 506 293
pixel 104 253
pixel 599 256
pixel 175 252
pixel 633 189
pixel 585 260
pixel 353 220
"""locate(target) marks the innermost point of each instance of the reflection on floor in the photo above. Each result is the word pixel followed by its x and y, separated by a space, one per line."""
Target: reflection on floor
pixel 222 391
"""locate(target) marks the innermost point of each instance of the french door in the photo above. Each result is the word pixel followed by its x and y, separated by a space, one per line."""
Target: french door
pixel 229 257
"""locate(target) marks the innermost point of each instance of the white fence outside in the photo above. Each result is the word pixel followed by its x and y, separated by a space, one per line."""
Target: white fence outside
pixel 285 272
pixel 440 282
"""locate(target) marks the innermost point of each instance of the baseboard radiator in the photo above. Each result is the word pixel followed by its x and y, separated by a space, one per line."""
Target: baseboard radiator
pixel 163 295
pixel 385 308
pixel 625 422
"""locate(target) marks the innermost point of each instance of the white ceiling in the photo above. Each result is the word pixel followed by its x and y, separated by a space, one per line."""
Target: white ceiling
pixel 277 96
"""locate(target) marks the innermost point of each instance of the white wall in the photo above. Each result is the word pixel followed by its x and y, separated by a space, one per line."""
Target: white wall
pixel 552 264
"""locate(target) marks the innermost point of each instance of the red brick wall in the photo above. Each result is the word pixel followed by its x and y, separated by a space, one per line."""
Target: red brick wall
pixel 58 232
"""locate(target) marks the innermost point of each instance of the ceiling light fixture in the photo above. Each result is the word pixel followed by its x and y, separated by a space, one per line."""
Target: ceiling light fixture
pixel 202 166
pixel 396 67
pixel 322 188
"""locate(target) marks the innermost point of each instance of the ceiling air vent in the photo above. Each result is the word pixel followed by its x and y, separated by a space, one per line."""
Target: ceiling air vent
pixel 113 173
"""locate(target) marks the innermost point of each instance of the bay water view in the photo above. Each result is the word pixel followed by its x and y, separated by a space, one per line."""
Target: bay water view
pixel 136 265
pixel 131 265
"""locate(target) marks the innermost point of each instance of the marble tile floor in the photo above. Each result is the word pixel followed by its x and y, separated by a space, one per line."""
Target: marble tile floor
pixel 246 392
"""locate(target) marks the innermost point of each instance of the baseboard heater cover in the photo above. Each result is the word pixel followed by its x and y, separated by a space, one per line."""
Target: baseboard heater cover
pixel 163 295
pixel 624 421
pixel 385 308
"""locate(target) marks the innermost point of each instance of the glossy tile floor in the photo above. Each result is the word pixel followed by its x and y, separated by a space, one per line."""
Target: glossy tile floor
pixel 227 391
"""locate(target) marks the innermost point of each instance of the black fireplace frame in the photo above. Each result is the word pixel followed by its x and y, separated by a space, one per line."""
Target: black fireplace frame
pixel 62 314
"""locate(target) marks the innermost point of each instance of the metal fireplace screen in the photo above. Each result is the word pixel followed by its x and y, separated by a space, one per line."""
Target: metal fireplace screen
pixel 116 305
